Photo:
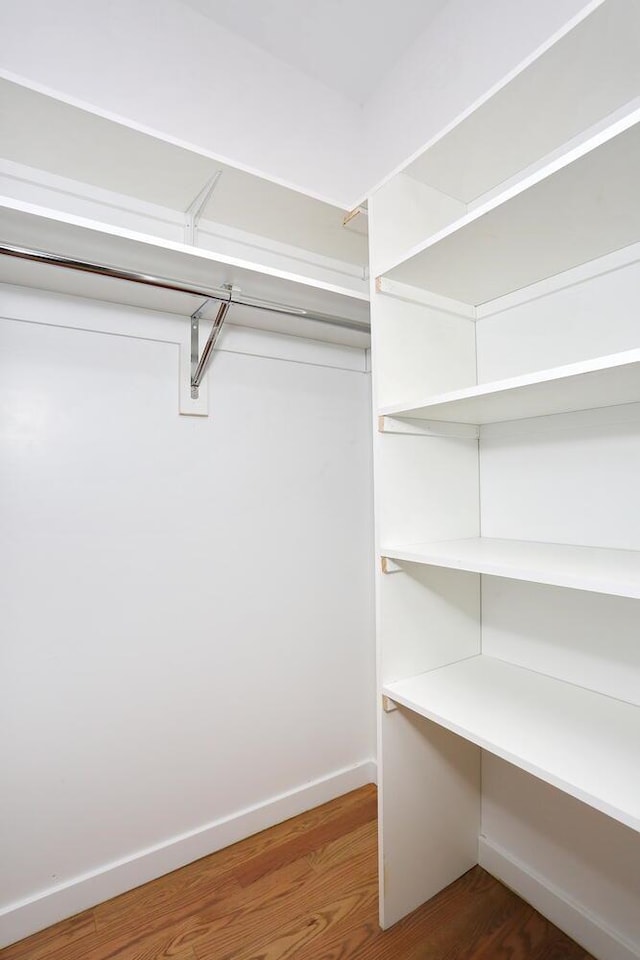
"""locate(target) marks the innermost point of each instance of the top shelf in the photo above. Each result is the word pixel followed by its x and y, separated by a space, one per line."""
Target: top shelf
pixel 570 210
pixel 591 70
pixel 536 178
pixel 44 136
pixel 600 382
pixel 170 209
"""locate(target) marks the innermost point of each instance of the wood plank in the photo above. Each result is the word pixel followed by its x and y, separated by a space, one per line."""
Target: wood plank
pixel 305 842
pixel 348 937
pixel 63 935
pixel 234 931
pixel 337 851
pixel 135 938
pixel 451 924
pixel 322 905
pixel 310 928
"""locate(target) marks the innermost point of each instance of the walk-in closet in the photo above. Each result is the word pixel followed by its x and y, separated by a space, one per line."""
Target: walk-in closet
pixel 319 458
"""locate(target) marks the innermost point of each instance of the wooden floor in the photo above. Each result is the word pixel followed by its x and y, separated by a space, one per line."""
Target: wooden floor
pixel 305 889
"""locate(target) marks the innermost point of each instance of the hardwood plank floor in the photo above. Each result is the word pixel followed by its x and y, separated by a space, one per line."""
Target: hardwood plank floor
pixel 306 889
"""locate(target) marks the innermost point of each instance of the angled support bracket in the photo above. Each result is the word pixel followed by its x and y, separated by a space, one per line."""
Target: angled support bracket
pixel 196 208
pixel 356 220
pixel 199 363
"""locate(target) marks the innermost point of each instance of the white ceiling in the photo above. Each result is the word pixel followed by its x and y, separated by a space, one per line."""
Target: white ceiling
pixel 348 45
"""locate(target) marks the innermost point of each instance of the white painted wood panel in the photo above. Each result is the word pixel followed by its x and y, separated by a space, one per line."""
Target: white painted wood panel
pixel 70 196
pixel 423 100
pixel 567 479
pixel 418 349
pixel 405 212
pixel 428 617
pixel 579 741
pixel 428 488
pixel 561 217
pixel 582 568
pixel 429 834
pixel 483 150
pixel 588 317
pixel 79 160
pixel 425 616
pixel 586 638
pixel 600 382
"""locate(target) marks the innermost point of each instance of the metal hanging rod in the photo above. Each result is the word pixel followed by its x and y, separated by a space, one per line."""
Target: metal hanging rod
pixel 163 283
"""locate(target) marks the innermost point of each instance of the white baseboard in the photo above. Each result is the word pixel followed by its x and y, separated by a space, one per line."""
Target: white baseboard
pixel 19 920
pixel 583 926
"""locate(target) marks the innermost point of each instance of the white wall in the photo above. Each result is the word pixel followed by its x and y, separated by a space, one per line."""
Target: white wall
pixel 186 602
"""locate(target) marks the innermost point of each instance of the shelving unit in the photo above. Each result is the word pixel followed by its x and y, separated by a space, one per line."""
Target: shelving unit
pixel 581 742
pixel 504 325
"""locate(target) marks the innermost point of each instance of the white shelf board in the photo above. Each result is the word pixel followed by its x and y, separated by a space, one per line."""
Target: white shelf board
pixel 584 76
pixel 599 382
pixel 582 742
pixel 53 136
pixel 595 569
pixel 581 205
pixel 29 225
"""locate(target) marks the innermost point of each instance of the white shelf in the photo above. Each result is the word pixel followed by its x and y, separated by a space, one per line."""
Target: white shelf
pixel 575 207
pixel 582 742
pixel 601 382
pixel 595 569
pixel 597 57
pixel 166 174
pixel 29 225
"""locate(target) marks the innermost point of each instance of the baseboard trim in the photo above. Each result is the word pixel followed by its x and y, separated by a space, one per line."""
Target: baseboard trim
pixel 581 924
pixel 21 919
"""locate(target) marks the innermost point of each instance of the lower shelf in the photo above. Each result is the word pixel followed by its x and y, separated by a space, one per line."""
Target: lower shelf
pixel 584 743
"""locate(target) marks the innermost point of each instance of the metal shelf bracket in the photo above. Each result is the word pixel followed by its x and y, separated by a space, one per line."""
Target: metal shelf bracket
pixel 196 208
pixel 199 364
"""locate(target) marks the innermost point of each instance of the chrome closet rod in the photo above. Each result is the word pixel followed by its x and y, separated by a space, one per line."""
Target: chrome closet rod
pixel 85 266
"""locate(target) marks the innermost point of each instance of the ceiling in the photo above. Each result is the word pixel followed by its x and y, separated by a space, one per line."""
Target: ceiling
pixel 349 45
